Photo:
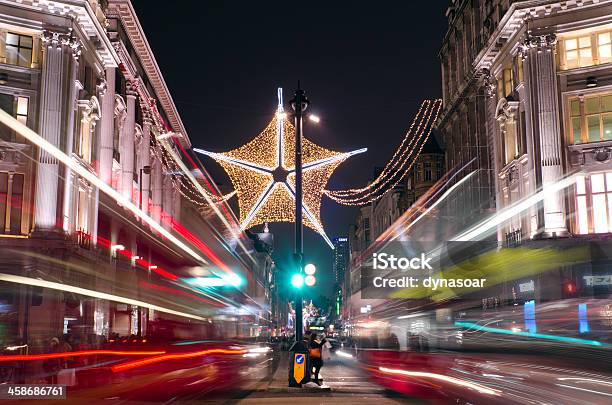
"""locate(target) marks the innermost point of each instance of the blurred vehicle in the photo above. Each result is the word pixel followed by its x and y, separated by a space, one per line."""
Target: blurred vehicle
pixel 335 344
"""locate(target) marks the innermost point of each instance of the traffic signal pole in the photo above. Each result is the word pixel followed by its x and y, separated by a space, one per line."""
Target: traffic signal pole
pixel 300 105
pixel 299 369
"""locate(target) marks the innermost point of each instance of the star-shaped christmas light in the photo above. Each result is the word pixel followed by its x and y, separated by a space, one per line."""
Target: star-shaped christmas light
pixel 263 175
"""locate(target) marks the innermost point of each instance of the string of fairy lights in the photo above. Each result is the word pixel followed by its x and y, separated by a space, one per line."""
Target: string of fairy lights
pixel 401 163
pixel 180 182
pixel 391 166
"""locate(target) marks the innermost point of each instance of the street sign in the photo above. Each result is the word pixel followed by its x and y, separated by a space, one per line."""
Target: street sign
pixel 299 367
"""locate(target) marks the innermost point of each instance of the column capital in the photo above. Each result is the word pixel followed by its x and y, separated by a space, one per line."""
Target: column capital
pixel 540 43
pixel 101 86
pixel 487 81
pixel 57 39
pixel 147 115
pixel 132 87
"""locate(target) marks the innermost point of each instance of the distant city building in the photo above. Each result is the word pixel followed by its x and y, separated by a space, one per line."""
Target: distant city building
pixel 341 257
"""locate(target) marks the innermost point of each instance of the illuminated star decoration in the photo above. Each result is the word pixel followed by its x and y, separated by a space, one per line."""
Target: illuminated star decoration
pixel 263 175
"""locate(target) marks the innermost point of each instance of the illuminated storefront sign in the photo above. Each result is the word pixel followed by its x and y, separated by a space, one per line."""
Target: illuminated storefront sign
pixel 598 280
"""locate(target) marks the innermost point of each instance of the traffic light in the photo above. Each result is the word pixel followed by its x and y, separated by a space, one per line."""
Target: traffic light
pixel 310 269
pixel 569 288
pixel 297 281
pixel 310 280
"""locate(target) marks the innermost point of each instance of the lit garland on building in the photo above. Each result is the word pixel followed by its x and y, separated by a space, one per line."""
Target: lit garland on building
pixel 263 175
pixel 401 162
pixel 179 181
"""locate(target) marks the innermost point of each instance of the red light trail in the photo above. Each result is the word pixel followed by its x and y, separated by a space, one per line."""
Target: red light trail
pixel 151 360
pixel 178 292
pixel 45 356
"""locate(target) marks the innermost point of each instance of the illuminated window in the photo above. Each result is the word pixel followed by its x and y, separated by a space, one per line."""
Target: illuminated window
pixel 11 202
pixel 82 210
pixel 587 50
pixel 17 107
pixel 590 119
pixel 594 203
pixel 22 110
pixel 505 84
pixel 578 52
pixel 604 47
pixel 18 49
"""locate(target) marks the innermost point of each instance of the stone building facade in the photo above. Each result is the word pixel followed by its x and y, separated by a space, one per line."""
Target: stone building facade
pixel 529 83
pixel 81 74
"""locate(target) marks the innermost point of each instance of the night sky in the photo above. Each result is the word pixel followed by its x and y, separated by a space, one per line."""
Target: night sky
pixel 365 68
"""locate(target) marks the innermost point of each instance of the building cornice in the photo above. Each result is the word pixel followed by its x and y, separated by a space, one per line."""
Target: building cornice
pixel 83 16
pixel 124 12
pixel 517 17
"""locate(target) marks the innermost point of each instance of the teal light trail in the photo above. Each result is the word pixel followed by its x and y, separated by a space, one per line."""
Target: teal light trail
pixel 475 326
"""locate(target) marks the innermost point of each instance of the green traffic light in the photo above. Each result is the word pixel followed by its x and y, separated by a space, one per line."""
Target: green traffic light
pixel 297 280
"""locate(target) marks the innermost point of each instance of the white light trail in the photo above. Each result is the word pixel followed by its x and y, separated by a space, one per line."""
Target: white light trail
pixel 343 354
pixel 39 141
pixel 584 389
pixel 210 202
pixel 410 316
pixel 434 205
pixel 513 210
pixel 91 293
pixel 591 380
pixel 441 377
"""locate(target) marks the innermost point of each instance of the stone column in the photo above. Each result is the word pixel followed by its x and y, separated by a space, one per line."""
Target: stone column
pixel 2 45
pixel 167 202
pixel 51 107
pixel 107 123
pixel 157 189
pixel 127 142
pixel 145 160
pixel 490 90
pixel 176 211
pixel 539 65
pixel 72 104
pixel 524 96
